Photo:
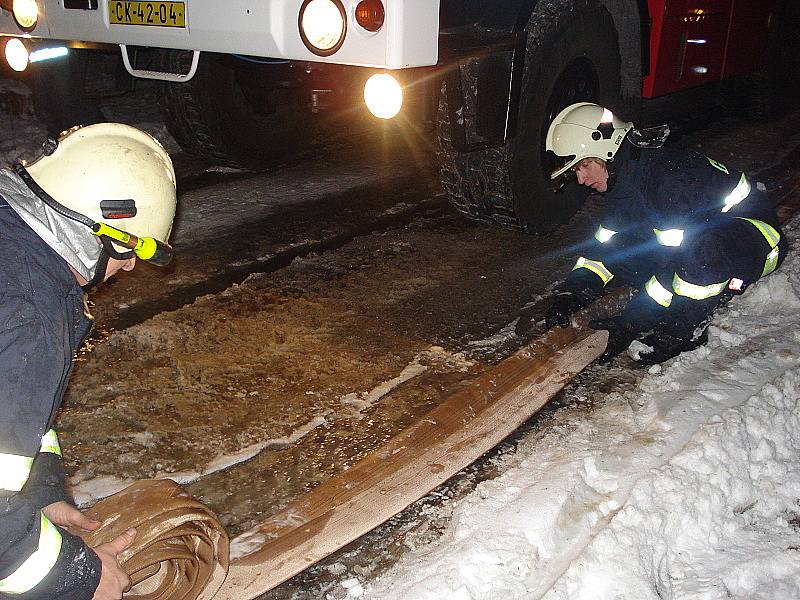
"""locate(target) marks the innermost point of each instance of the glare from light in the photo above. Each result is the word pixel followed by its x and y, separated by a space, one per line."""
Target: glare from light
pixel 323 24
pixel 48 54
pixel 383 95
pixel 26 13
pixel 16 55
pixel 669 237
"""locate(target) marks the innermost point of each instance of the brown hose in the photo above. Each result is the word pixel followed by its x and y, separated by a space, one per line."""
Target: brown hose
pixel 181 550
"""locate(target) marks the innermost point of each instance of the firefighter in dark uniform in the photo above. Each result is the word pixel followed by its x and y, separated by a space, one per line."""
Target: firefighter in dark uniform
pixel 63 225
pixel 687 232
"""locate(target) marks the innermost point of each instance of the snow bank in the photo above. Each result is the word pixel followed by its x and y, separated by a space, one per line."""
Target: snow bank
pixel 686 487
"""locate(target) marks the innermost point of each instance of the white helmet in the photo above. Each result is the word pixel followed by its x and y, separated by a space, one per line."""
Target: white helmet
pixel 585 130
pixel 114 174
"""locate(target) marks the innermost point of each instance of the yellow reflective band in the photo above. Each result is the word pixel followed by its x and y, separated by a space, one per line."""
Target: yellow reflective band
pixel 739 193
pixel 768 231
pixel 37 565
pixel 602 234
pixel 718 165
pixel 697 292
pixel 669 237
pixel 773 239
pixel 14 471
pixel 596 267
pixel 658 292
pixel 772 262
pixel 50 443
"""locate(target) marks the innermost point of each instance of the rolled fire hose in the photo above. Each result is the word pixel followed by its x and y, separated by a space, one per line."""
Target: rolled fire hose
pixel 181 549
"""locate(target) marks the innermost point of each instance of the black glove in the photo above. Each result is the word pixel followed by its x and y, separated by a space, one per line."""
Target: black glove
pixel 620 335
pixel 564 304
pixel 668 344
pixel 525 320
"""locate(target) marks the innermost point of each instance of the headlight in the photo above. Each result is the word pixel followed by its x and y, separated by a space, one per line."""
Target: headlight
pixel 16 54
pixel 323 25
pixel 383 95
pixel 26 14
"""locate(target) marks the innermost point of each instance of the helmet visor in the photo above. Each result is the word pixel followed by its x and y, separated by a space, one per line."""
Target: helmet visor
pixel 570 162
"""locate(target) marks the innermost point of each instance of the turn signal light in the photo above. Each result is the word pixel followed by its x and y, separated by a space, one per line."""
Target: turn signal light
pixel 370 14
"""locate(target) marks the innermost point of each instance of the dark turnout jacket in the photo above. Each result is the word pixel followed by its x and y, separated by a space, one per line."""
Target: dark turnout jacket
pixel 42 324
pixel 679 226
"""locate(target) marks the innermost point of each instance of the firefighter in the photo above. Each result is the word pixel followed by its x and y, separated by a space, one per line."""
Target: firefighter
pixel 685 231
pixel 93 201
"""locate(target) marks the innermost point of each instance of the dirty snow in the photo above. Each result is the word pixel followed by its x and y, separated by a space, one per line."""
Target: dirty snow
pixel 88 491
pixel 357 402
pixel 686 487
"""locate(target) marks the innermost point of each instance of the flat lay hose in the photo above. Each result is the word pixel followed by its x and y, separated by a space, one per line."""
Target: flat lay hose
pixel 181 549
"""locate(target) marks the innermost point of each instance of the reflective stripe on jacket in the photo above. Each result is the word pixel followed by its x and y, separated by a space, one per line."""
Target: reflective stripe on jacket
pixel 658 201
pixel 42 324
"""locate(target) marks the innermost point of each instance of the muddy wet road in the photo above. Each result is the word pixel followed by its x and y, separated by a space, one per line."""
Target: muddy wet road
pixel 290 338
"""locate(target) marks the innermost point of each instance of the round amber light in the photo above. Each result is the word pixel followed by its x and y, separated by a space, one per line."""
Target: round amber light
pixel 370 14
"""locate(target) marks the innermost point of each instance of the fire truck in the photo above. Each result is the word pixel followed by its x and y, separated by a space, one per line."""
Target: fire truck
pixel 238 79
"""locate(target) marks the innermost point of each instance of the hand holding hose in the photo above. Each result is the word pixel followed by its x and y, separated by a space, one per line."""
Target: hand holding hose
pixel 113 580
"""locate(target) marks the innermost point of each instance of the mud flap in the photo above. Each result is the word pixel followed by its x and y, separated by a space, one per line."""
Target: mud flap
pixel 483 94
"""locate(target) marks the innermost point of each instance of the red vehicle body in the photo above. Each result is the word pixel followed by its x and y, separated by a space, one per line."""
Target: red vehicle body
pixel 695 43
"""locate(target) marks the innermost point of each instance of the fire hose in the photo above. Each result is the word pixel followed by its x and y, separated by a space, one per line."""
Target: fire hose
pixel 180 551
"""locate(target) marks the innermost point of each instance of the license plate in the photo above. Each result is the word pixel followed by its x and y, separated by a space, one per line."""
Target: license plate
pixel 152 14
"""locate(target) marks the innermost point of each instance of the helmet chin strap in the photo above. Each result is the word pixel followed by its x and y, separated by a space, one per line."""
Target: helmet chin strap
pixel 146 248
pixel 99 272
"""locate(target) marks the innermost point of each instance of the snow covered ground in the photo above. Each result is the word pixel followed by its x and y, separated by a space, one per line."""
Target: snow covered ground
pixel 686 487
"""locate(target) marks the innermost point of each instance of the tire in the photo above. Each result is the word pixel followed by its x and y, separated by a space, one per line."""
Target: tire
pixel 216 115
pixel 58 90
pixel 571 55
